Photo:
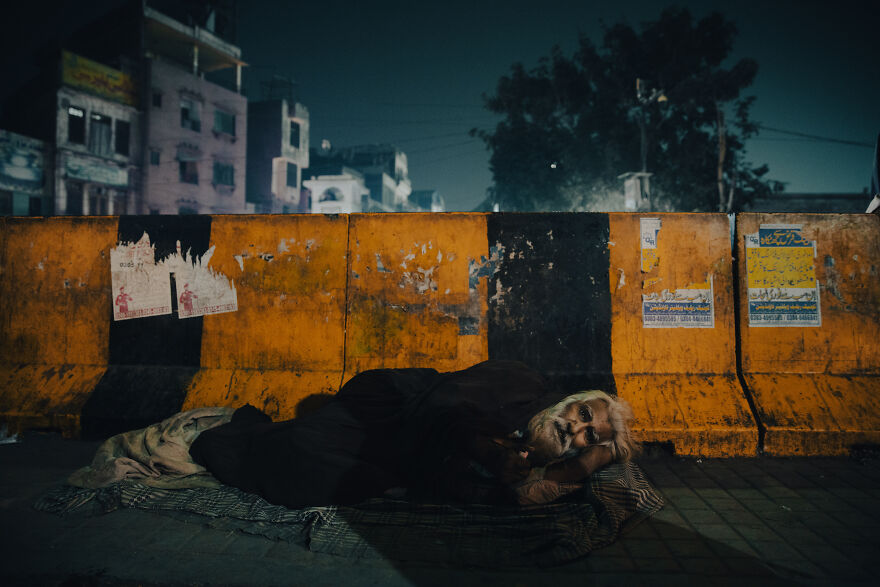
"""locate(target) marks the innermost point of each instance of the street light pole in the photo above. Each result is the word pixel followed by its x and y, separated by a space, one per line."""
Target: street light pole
pixel 644 98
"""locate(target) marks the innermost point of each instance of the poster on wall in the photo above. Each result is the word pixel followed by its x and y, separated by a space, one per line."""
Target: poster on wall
pixel 140 286
pixel 199 289
pixel 689 307
pixel 781 281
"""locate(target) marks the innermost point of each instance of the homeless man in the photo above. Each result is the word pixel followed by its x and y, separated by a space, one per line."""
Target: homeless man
pixel 492 433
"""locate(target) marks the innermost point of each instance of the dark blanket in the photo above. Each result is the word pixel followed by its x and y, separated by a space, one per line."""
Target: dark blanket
pixel 385 428
pixel 617 497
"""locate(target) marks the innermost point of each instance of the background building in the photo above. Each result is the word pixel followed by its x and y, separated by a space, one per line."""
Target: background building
pixel 22 175
pixel 428 200
pixel 97 151
pixel 383 167
pixel 135 115
pixel 343 192
pixel 277 153
pixel 196 130
pixel 811 203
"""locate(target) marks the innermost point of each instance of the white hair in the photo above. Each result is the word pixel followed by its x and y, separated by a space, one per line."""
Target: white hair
pixel 622 444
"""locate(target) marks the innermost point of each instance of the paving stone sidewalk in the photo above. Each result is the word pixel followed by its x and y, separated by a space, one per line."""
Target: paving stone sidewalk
pixel 765 521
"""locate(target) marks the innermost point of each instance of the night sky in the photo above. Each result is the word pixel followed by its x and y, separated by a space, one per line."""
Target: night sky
pixel 413 73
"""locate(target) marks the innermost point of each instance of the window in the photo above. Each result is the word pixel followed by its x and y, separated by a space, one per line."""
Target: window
pixel 5 203
pixel 224 174
pixel 331 195
pixel 294 134
pixel 157 99
pixel 224 122
pixel 123 135
pixel 35 206
pixel 291 175
pixel 76 125
pixel 189 115
pixel 98 199
pixel 100 132
pixel 154 156
pixel 74 197
pixel 120 203
pixel 189 172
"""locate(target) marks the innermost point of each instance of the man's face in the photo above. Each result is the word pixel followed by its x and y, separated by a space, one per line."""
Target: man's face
pixel 582 424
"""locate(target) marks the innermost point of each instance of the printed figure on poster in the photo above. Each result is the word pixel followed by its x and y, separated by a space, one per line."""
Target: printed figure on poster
pixel 141 287
pixel 186 300
pixel 782 285
pixel 122 300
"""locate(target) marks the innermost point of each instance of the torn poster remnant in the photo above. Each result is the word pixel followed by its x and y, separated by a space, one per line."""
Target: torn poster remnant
pixel 649 229
pixel 140 287
pixel 200 289
pixel 690 307
pixel 782 285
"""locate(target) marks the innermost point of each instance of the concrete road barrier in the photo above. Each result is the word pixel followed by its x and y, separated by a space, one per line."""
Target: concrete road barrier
pixel 809 322
pixel 113 323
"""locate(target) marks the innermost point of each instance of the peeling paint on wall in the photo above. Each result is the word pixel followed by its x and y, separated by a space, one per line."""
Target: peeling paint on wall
pixel 485 267
pixel 782 285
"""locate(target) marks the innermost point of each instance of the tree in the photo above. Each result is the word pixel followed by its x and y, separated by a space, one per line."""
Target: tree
pixel 573 124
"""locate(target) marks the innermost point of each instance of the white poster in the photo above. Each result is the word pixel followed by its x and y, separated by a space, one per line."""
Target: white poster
pixel 140 286
pixel 200 290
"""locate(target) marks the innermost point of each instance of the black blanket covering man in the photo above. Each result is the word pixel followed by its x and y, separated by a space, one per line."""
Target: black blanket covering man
pixel 386 430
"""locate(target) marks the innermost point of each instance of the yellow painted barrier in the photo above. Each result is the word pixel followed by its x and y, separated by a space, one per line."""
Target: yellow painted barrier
pixel 672 336
pixel 410 302
pixel 55 287
pixel 321 298
pixel 809 321
pixel 286 340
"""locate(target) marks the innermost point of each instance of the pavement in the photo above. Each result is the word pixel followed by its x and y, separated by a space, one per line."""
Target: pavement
pixel 761 521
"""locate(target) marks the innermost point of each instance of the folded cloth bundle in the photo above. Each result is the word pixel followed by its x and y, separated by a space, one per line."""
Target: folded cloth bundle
pixel 157 455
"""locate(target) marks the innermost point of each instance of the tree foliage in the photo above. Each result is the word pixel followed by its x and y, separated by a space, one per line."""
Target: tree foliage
pixel 573 124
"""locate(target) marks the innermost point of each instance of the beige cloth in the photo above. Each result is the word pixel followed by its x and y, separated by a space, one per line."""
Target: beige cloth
pixel 157 455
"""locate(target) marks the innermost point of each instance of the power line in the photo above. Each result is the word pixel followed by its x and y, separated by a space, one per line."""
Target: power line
pixel 438 147
pixel 816 137
pixel 467 152
pixel 376 121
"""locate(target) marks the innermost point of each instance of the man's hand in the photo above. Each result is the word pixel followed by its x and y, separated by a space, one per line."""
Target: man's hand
pixel 503 458
pixel 579 468
pixel 514 464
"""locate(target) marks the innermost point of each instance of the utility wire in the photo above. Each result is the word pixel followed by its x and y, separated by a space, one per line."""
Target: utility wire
pixel 438 147
pixel 816 137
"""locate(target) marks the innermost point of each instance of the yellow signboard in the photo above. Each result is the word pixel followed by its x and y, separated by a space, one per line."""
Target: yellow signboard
pixel 85 74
